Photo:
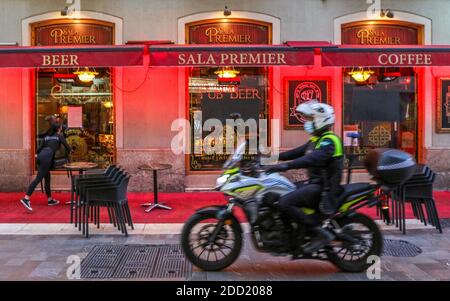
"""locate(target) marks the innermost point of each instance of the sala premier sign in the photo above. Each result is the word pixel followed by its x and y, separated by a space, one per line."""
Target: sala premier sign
pixel 252 57
pixel 236 59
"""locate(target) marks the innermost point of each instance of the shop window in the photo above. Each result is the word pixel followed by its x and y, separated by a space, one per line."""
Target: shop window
pixel 380 104
pixel 214 98
pixel 82 100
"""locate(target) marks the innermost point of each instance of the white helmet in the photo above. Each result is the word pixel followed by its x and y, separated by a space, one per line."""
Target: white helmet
pixel 322 115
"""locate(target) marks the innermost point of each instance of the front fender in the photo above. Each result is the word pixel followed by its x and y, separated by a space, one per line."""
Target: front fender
pixel 220 212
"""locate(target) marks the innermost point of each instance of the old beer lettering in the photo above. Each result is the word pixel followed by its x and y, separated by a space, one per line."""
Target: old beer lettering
pixel 60 60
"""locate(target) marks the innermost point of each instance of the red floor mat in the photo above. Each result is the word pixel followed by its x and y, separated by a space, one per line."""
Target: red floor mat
pixel 183 204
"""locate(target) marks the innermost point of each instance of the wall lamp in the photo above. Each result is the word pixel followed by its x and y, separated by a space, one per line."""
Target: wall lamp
pixel 70 9
pixel 386 13
pixel 226 11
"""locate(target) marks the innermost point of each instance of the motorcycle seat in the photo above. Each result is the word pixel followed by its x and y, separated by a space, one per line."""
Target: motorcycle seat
pixel 352 189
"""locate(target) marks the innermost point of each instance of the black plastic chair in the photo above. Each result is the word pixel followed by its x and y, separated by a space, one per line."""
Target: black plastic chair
pixel 100 174
pixel 82 184
pixel 76 190
pixel 417 191
pixel 113 196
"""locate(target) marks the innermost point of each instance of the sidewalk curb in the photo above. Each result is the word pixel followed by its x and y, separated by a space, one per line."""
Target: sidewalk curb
pixel 144 229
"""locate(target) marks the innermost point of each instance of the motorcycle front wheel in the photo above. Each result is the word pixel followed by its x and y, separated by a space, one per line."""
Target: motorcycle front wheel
pixel 364 239
pixel 207 254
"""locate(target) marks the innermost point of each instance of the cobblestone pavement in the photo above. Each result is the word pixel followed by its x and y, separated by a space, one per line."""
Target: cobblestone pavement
pixel 43 257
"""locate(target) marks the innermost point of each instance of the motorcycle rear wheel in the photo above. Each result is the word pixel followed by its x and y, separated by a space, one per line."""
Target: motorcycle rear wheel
pixel 372 246
pixel 230 231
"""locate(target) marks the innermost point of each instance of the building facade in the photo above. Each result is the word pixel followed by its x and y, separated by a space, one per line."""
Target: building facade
pixel 125 114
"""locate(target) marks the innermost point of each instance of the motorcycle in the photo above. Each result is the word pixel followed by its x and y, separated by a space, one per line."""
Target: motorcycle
pixel 212 237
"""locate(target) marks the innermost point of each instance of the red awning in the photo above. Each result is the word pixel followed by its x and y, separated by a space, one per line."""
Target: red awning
pixel 230 55
pixel 392 56
pixel 69 57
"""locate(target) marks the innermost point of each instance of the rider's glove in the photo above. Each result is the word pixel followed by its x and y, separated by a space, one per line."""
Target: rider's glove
pixel 276 167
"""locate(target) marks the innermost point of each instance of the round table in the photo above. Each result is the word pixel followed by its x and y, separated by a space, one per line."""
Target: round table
pixel 155 167
pixel 80 167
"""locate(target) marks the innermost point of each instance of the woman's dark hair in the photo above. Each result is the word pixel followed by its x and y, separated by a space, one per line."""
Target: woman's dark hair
pixel 54 127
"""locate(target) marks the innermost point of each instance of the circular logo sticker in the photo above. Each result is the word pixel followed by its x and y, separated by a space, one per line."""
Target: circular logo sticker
pixel 304 92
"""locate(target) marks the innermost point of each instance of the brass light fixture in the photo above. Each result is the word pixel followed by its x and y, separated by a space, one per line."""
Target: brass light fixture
pixel 227 72
pixel 360 75
pixel 86 75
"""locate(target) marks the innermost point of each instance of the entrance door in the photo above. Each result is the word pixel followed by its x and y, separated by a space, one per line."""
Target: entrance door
pixel 383 108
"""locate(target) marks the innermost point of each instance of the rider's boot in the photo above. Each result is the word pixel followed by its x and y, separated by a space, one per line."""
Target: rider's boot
pixel 322 238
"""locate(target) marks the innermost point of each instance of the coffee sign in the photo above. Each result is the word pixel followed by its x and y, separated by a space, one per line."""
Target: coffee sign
pixel 73 34
pixel 380 34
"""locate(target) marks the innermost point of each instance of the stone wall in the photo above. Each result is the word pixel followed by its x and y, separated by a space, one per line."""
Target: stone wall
pixel 14 170
pixel 438 159
pixel 171 180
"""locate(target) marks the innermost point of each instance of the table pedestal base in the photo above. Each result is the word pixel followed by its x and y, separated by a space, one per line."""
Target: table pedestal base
pixel 156 205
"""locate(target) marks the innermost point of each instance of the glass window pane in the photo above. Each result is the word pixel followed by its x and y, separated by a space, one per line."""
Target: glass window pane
pixel 214 98
pixel 382 108
pixel 67 93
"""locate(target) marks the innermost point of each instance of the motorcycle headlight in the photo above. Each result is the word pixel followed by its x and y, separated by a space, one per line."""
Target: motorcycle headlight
pixel 221 180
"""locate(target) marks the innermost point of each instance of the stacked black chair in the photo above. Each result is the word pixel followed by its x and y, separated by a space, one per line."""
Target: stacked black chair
pixel 107 189
pixel 418 191
pixel 75 193
pixel 84 183
pixel 93 175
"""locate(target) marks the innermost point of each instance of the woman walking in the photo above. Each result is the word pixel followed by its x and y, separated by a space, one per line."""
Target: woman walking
pixel 45 160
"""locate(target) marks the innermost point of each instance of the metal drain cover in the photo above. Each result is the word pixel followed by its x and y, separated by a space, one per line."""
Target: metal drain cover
pixel 136 262
pixel 400 248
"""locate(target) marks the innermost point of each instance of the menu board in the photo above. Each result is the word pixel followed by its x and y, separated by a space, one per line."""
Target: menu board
pixel 298 92
pixel 443 106
pixel 75 117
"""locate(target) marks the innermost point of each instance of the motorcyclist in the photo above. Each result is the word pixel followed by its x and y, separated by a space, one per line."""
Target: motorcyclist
pixel 322 156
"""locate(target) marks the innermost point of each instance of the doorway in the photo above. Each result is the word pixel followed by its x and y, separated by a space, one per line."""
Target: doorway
pixel 382 107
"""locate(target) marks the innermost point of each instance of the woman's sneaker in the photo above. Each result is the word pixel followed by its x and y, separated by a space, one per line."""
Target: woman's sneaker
pixel 27 204
pixel 53 202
